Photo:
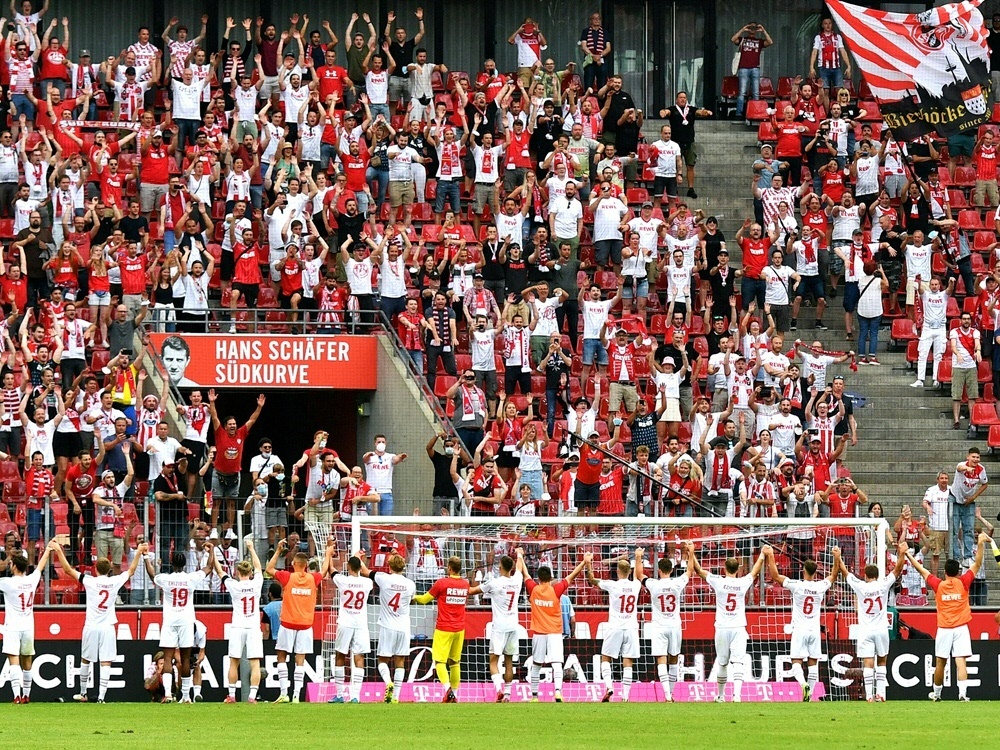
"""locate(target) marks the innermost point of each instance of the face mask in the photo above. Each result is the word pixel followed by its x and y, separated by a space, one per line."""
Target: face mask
pixel 261 489
pixel 449 451
pixel 279 477
pixel 266 454
pixel 380 447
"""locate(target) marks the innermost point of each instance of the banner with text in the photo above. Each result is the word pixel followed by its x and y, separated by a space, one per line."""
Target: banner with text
pixel 255 361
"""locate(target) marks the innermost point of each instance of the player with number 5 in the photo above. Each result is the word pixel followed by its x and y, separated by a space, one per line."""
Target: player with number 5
pixel 730 621
pixel 873 621
pixel 622 639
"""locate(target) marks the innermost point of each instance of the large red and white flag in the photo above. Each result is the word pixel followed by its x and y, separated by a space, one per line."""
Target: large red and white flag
pixel 929 71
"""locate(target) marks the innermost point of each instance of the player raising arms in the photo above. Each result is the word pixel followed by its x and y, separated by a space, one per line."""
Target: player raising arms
pixel 730 621
pixel 622 639
pixel 244 629
pixel 452 594
pixel 99 640
pixel 807 600
pixel 873 621
pixel 177 630
pixel 19 623
pixel 665 635
pixel 951 599
pixel 504 591
pixel 546 621
pixel 353 638
pixel 298 610
pixel 395 592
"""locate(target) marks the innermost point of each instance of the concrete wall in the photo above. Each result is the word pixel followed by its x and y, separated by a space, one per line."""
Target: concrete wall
pixel 399 411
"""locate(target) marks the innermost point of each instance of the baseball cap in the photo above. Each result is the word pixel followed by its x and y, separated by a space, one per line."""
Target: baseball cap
pixel 647 204
pixel 107 473
pixel 668 361
pixel 723 251
pixel 477 276
pixel 858 231
pixel 593 433
pixel 85 53
pixel 719 442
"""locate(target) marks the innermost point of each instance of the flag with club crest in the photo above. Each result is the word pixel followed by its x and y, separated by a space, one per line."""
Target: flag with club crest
pixel 929 71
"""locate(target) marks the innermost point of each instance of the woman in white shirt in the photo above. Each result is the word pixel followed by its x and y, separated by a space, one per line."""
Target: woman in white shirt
pixel 873 284
pixel 530 447
pixel 784 225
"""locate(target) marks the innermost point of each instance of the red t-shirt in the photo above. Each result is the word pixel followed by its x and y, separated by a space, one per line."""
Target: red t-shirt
pixel 133 272
pixel 291 278
pixel 589 471
pixel 331 81
pixel 247 270
pixel 754 255
pixel 451 595
pixel 82 482
pixel 111 188
pixel 820 222
pixel 18 288
pixel 611 494
pixel 53 63
pixel 229 450
pixel 155 166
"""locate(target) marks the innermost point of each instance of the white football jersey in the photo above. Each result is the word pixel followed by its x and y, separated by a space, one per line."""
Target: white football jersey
pixel 665 595
pixel 807 600
pixel 354 592
pixel 623 600
pixel 730 600
pixel 873 600
pixel 178 599
pixel 395 592
pixel 504 592
pixel 246 600
pixel 101 594
pixel 19 600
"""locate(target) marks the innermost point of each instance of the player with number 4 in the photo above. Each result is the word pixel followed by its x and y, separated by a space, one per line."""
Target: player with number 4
pixel 244 629
pixel 100 642
pixel 730 621
pixel 622 639
pixel 873 620
pixel 807 601
pixel 665 593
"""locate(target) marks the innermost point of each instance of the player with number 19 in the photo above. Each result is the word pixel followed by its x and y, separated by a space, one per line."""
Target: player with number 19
pixel 395 592
pixel 873 621
pixel 177 630
pixel 353 637
pixel 665 593
pixel 244 629
pixel 99 639
pixel 807 601
pixel 730 621
pixel 622 638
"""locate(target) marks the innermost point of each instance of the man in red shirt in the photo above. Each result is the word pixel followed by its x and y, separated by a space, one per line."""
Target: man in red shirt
pixel 81 478
pixel 985 154
pixel 154 166
pixel 14 284
pixel 135 278
pixel 451 594
pixel 332 78
pixel 229 442
pixel 490 81
pixel 756 250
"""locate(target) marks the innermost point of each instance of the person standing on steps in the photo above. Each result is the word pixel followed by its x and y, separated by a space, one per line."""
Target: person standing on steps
pixel 752 39
pixel 682 116
pixel 966 354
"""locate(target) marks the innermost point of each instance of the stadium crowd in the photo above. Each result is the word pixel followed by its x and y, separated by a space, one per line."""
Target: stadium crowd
pixel 546 268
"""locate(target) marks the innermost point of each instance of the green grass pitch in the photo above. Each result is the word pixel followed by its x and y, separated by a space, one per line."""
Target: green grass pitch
pixel 486 726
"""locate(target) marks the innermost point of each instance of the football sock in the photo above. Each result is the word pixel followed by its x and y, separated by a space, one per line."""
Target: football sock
pixel 797 673
pixel 232 691
pixel 383 672
pixel 338 681
pixel 186 688
pixel 253 693
pixel 661 673
pixel 283 677
pixel 15 680
pixel 357 677
pixel 442 673
pixel 869 676
pixel 102 685
pixel 557 675
pixel 456 677
pixel 197 691
pixel 880 681
pixel 626 682
pixel 937 690
pixel 497 681
pixel 298 677
pixel 963 687
pixel 84 677
pixel 671 677
pixel 26 686
pixel 398 676
pixel 168 685
pixel 813 676
pixel 533 679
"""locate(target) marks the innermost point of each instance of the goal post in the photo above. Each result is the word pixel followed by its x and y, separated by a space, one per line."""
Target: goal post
pixel 426 542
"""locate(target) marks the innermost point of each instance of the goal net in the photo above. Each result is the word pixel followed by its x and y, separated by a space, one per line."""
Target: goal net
pixel 427 543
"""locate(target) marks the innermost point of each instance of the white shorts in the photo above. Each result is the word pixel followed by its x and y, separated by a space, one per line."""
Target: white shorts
pixel 393 642
pixel 806 644
pixel 249 639
pixel 269 88
pixel 353 640
pixel 872 643
pixel 95 300
pixel 730 645
pixel 19 642
pixel 179 635
pixel 99 643
pixel 621 643
pixel 504 643
pixel 294 641
pixel 665 641
pixel 953 642
pixel 547 648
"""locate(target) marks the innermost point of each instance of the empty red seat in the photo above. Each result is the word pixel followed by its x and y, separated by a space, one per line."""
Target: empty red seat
pixel 964 176
pixel 903 329
pixel 983 414
pixel 757 110
pixel 730 87
pixel 969 219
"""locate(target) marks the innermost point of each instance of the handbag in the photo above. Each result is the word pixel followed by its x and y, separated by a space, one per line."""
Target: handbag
pixel 375 161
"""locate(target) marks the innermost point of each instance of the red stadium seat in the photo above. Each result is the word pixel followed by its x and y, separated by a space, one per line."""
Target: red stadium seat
pixel 983 415
pixel 757 110
pixel 968 219
pixel 903 329
pixel 730 87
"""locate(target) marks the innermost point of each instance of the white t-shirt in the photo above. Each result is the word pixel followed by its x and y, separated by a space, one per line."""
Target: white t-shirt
pixel 815 365
pixel 545 314
pixel 730 600
pixel 377 85
pixel 873 601
pixel 608 214
pixel 807 600
pixel 354 591
pixel 938 499
pixel 785 434
pixel 19 601
pixel 665 597
pixel 567 212
pixel 482 348
pixel 623 599
pixel 178 599
pixel 40 439
pixel 779 282
pixel 807 256
pixel 395 592
pixel 964 358
pixel 246 600
pixel 686 245
pixel 359 275
pixel 918 262
pixel 935 309
pixel 594 316
pixel 187 99
pixel 667 153
pixel 378 471
pixel 504 592
pixel 647 231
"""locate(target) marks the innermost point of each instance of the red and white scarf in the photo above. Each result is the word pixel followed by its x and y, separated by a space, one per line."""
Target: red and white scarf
pixel 720 472
pixel 473 403
pixel 517 339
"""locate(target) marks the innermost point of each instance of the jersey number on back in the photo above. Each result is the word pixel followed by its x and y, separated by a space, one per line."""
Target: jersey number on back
pixel 179 598
pixel 354 600
pixel 626 604
pixel 668 603
pixel 873 605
